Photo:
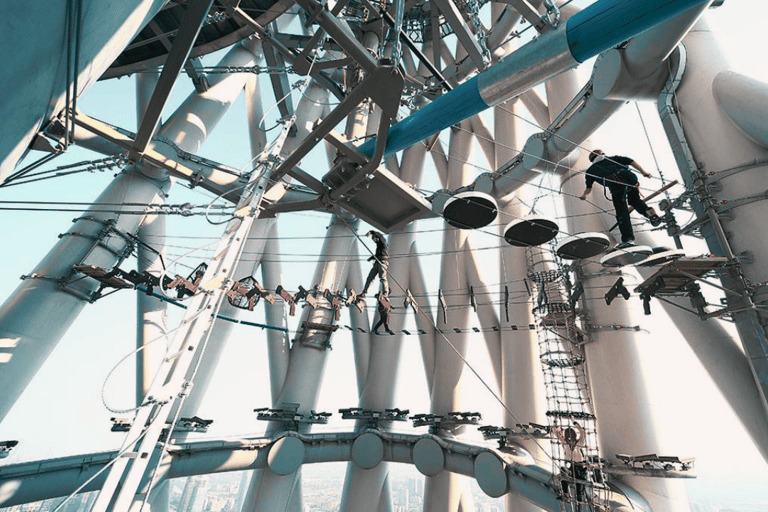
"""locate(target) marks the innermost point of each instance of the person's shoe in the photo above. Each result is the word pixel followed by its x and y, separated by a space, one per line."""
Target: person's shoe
pixel 655 219
pixel 375 332
pixel 624 245
pixel 391 332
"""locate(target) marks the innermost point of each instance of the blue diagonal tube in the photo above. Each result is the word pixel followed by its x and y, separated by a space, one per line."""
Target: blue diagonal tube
pixel 599 27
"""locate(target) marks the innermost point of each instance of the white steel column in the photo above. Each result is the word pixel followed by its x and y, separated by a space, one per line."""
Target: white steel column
pixel 309 108
pixel 270 491
pixel 150 312
pixel 364 489
pixel 616 362
pixel 718 145
pixel 445 491
pixel 39 312
pixel 522 379
pixel 189 127
pixel 278 342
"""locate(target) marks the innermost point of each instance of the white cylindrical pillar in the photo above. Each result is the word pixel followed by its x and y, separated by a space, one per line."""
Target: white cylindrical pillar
pixel 623 389
pixel 41 309
pixel 719 148
pixel 443 492
pixel 270 491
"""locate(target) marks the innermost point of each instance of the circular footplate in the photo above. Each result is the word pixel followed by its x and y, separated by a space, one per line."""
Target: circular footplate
pixel 530 231
pixel 470 210
pixel 628 256
pixel 583 245
pixel 661 257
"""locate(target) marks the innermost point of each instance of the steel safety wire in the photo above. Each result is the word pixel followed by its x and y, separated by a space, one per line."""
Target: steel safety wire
pixel 442 335
pixel 183 396
pixel 515 299
pixel 121 361
pixel 128 447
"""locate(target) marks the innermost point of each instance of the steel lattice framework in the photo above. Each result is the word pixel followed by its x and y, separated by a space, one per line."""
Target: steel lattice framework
pixel 403 96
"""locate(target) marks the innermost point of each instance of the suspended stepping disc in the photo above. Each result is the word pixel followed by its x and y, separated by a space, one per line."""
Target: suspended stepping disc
pixel 470 210
pixel 627 256
pixel 661 257
pixel 530 231
pixel 583 245
pixel 244 294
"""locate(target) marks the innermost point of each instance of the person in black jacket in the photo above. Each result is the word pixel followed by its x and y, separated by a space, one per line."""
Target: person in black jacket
pixel 614 174
pixel 380 263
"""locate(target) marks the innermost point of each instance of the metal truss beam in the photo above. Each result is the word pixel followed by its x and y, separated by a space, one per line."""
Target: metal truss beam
pixel 381 85
pixel 462 31
pixel 291 55
pixel 280 83
pixel 411 46
pixel 340 33
pixel 182 46
pixel 528 12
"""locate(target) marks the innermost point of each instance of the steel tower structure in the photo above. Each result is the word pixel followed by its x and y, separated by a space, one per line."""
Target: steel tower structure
pixel 401 95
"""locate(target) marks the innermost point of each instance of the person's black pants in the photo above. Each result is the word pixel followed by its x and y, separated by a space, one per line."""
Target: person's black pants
pixel 624 196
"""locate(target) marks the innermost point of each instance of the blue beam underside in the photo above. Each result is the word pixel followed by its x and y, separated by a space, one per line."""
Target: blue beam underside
pixel 608 23
pixel 601 26
pixel 461 103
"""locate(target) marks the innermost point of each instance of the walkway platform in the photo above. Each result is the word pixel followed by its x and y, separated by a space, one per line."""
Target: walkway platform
pixel 676 276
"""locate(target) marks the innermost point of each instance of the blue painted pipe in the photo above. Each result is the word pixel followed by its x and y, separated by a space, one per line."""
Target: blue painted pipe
pixel 599 27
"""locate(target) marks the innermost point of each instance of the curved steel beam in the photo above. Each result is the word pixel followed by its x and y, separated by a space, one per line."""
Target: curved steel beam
pixel 497 472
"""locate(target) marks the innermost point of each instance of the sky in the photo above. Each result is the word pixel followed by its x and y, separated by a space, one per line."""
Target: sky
pixel 62 412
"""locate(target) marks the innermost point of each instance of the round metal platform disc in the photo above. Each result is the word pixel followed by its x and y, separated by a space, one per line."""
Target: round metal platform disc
pixel 470 210
pixel 583 245
pixel 530 231
pixel 660 258
pixel 627 256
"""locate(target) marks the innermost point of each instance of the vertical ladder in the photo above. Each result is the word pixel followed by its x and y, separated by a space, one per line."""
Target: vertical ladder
pixel 127 480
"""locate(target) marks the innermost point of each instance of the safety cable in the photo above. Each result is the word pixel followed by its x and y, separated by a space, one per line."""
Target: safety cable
pixel 183 396
pixel 442 335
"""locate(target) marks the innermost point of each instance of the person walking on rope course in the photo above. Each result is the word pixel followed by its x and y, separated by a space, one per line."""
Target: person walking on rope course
pixel 385 313
pixel 380 263
pixel 614 174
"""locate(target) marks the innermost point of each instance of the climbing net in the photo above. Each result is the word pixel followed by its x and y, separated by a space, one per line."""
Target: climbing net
pixel 577 466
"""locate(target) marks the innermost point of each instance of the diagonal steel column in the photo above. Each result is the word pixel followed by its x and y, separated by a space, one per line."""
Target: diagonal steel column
pixel 616 359
pixel 444 491
pixel 171 383
pixel 182 46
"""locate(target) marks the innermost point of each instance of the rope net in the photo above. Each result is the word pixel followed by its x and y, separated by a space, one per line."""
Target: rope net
pixel 577 466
